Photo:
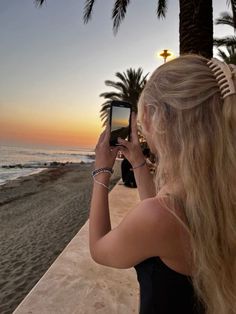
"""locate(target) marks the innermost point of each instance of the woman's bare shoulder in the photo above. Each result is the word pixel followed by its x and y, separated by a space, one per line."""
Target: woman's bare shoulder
pixel 157 213
pixel 151 220
pixel 166 217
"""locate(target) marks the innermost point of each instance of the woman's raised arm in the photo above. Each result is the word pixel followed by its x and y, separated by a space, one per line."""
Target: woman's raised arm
pixel 133 152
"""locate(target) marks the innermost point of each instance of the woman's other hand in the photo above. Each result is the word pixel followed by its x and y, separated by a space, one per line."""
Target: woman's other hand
pixel 132 149
pixel 105 154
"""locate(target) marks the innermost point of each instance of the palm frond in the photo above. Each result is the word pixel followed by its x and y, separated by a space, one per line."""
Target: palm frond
pixel 144 80
pixel 104 112
pixel 123 77
pixel 222 54
pixel 104 117
pixel 225 41
pixel 118 85
pixel 106 106
pixel 88 8
pixel 111 95
pixel 233 6
pixel 230 56
pixel 225 19
pixel 39 2
pixel 161 8
pixel 118 13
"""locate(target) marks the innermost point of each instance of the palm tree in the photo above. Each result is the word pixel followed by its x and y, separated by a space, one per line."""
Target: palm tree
pixel 128 88
pixel 196 27
pixel 225 19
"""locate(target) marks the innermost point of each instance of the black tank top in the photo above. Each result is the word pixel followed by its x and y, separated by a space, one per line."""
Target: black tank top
pixel 164 291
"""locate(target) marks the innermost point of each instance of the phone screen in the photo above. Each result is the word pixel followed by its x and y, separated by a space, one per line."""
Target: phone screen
pixel 120 123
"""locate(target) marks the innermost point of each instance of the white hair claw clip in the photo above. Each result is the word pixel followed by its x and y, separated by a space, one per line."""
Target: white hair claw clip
pixel 224 76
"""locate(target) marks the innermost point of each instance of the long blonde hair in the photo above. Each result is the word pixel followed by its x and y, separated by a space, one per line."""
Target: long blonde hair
pixel 194 133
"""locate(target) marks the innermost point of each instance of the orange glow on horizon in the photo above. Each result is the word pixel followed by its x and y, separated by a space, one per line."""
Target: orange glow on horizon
pixel 73 135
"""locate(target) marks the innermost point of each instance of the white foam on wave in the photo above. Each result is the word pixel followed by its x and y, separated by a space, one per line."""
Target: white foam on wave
pixel 15 173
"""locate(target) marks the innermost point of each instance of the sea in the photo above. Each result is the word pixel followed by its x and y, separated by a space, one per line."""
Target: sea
pixel 18 161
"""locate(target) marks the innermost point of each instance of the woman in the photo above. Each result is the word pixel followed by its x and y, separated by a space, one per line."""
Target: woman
pixel 181 237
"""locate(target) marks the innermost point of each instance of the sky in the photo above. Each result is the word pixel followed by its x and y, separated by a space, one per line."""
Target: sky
pixel 53 67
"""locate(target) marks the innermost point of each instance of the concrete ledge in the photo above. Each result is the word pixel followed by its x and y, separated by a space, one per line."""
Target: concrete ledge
pixel 76 284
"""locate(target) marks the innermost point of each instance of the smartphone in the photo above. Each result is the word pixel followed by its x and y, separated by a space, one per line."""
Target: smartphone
pixel 120 121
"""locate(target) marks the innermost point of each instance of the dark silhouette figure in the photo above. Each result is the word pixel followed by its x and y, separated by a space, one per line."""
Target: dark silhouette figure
pixel 127 174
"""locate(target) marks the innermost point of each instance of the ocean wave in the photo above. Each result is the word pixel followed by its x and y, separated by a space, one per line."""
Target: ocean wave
pixel 31 158
pixel 35 165
pixel 54 154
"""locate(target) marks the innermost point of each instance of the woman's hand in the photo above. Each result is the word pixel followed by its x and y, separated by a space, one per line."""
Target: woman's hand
pixel 105 154
pixel 132 149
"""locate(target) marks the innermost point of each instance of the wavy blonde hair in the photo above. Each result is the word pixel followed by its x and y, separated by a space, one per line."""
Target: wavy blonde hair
pixel 194 133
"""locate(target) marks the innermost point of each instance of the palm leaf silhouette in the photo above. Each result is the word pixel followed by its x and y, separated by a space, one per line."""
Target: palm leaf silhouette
pixel 128 88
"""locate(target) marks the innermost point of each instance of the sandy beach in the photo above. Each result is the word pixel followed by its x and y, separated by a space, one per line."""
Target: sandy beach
pixel 39 215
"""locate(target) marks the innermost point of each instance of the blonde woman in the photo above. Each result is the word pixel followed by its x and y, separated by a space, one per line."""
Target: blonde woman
pixel 181 238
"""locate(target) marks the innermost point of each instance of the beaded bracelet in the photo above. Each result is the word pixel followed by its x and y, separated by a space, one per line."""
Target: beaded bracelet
pixel 141 165
pixel 102 170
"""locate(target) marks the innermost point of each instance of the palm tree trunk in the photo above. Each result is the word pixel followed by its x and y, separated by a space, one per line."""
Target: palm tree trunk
pixel 196 27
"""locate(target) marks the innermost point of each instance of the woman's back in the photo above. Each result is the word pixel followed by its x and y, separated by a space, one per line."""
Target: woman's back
pixel 165 281
pixel 164 291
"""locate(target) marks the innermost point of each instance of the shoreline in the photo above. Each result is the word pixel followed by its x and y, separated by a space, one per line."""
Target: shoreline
pixel 39 216
pixel 23 170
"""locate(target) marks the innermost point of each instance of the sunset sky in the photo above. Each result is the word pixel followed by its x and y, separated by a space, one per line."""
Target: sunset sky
pixel 53 67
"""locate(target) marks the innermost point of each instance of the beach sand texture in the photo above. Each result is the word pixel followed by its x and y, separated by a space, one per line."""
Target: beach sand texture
pixel 39 215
